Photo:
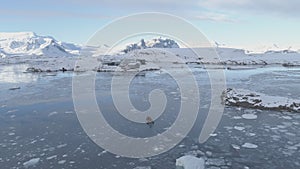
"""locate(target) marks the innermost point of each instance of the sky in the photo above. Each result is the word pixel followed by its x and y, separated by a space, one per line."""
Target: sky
pixel 239 23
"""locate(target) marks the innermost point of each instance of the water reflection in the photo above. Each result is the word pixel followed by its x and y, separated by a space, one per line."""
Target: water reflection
pixel 15 74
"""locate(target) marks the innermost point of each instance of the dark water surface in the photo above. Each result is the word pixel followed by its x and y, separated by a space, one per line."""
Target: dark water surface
pixel 38 121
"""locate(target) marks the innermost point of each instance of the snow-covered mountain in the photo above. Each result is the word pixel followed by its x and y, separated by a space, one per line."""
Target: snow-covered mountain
pixel 28 43
pixel 153 43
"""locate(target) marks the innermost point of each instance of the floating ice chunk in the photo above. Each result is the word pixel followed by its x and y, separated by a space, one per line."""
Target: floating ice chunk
pixel 52 113
pixel 216 162
pixel 208 153
pixel 12 111
pixel 287 117
pixel 249 116
pixel 103 152
pixel 214 167
pixel 11 134
pixel 213 134
pixel 292 147
pixel 61 146
pixel 195 153
pixel 62 162
pixel 250 134
pixel 69 112
pixel 249 145
pixel 239 128
pixel 51 157
pixel 235 146
pixel 181 146
pixel 142 167
pixel 237 117
pixel 31 162
pixel 190 162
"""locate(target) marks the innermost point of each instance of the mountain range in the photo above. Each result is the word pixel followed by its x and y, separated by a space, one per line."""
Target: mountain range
pixel 31 44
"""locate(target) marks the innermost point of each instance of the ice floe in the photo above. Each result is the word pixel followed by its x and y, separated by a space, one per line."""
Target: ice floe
pixel 190 162
pixel 31 162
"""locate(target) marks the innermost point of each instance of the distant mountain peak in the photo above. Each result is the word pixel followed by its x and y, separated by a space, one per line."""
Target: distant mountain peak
pixel 153 43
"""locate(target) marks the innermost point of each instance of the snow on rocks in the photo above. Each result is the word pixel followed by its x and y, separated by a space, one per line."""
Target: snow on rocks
pixel 153 43
pixel 235 56
pixel 249 99
pixel 31 162
pixel 190 162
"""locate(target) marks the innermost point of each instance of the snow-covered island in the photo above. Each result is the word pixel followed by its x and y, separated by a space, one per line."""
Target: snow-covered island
pixel 256 100
pixel 44 53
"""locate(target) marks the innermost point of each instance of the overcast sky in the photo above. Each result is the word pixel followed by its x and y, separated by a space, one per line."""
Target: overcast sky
pixel 232 22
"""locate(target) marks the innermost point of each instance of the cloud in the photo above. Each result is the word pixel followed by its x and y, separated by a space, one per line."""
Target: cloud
pixel 288 8
pixel 89 8
pixel 32 14
pixel 190 9
pixel 212 10
pixel 215 17
pixel 136 4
